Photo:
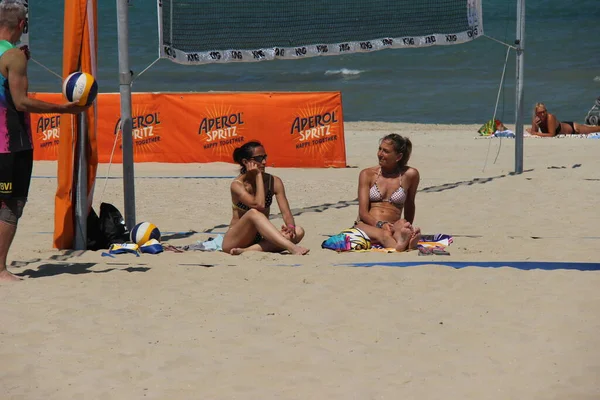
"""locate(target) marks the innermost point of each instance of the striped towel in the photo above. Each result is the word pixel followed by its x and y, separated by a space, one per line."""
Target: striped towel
pixel 438 241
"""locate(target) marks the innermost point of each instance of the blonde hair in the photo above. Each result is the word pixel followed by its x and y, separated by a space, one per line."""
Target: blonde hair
pixel 538 105
pixel 11 13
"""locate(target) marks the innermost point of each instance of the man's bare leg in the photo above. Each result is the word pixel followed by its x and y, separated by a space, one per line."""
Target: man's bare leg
pixel 7 234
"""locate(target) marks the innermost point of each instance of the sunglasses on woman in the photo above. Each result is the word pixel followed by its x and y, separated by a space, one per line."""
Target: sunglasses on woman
pixel 259 159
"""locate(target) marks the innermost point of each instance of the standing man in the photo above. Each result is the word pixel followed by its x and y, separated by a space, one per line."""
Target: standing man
pixel 16 146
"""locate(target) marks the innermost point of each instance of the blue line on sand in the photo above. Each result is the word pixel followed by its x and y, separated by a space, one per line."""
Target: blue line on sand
pixel 524 265
pixel 145 177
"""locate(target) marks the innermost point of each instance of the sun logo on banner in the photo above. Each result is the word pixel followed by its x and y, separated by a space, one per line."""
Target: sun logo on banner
pixel 221 130
pixel 315 130
pixel 145 131
pixel 47 131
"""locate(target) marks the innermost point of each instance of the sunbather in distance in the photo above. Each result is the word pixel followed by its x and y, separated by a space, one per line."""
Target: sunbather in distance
pixel 544 123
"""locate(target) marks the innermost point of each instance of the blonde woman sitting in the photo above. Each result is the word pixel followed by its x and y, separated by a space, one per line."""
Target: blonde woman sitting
pixel 385 191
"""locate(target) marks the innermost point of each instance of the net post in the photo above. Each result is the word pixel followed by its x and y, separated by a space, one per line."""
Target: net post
pixel 520 47
pixel 159 13
pixel 126 119
pixel 81 199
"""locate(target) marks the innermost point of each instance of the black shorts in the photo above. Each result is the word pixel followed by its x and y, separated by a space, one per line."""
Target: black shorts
pixel 15 174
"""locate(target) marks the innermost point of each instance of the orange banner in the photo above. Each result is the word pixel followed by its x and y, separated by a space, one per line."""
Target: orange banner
pixel 297 129
pixel 80 52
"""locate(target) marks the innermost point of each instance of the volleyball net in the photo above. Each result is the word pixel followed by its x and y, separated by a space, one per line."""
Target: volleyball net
pixel 201 31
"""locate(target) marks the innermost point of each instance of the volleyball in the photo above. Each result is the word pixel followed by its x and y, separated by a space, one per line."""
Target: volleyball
pixel 143 232
pixel 81 88
pixel 359 240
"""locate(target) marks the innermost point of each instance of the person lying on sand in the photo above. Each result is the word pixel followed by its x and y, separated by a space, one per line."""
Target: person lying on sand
pixel 251 196
pixel 545 124
pixel 384 191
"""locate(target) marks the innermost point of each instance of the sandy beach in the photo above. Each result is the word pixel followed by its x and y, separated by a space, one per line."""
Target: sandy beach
pixel 207 325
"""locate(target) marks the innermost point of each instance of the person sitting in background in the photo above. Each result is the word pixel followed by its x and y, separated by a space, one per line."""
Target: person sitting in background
pixel 545 124
pixel 251 196
pixel 384 191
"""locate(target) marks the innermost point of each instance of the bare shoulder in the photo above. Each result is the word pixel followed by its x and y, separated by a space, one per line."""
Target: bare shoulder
pixel 369 172
pixel 275 177
pixel 412 174
pixel 277 181
pixel 278 186
pixel 236 183
pixel 14 57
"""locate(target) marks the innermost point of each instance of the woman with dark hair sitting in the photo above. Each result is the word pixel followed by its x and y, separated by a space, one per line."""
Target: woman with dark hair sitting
pixel 384 191
pixel 251 196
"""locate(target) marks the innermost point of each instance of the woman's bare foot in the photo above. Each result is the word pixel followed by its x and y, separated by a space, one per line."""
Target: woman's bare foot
pixel 405 237
pixel 414 238
pixel 237 251
pixel 299 250
pixel 6 276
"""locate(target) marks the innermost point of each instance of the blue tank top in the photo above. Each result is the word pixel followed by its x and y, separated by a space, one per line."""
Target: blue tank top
pixel 15 128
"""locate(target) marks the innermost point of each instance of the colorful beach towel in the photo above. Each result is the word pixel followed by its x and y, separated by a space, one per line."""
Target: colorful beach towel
pixel 490 127
pixel 339 243
pixel 351 239
pixel 428 244
pixel 434 244
pixel 436 240
pixel 343 242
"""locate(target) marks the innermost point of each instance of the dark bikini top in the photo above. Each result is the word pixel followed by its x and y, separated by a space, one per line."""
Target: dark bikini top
pixel 268 196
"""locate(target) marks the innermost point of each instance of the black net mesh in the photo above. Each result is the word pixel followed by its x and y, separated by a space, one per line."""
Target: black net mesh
pixel 204 26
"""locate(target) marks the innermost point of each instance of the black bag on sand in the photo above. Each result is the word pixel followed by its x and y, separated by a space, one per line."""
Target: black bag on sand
pixel 95 237
pixel 112 225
